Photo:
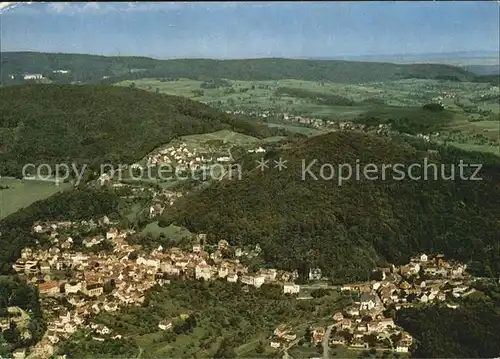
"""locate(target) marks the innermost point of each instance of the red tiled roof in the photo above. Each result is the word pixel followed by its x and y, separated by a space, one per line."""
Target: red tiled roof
pixel 48 286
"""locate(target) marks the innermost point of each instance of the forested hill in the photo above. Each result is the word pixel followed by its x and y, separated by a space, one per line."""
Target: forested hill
pixel 348 229
pixel 97 123
pixel 92 68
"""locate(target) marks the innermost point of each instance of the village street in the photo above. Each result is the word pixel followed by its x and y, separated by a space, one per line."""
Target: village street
pixel 326 339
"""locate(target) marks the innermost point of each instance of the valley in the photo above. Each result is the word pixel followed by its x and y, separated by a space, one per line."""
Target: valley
pixel 474 108
pixel 169 240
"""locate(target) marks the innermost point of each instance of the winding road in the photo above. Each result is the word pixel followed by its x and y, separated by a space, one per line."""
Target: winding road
pixel 326 340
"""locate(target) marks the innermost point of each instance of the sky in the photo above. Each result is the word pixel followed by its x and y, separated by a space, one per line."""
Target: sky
pixel 251 29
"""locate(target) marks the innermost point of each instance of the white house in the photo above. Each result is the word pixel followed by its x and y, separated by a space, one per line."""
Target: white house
pixel 368 301
pixel 103 330
pixel 256 281
pixel 224 159
pixel 257 150
pixel 401 348
pixel 223 272
pixel 112 234
pixel 203 271
pixel 164 325
pixel 148 262
pixel 38 229
pixel 291 288
pixel 315 274
pixel 353 311
pixel 68 288
pixel 19 353
pixel 33 76
pixel 424 258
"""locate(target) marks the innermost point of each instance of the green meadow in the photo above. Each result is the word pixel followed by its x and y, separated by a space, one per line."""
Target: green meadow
pixel 16 194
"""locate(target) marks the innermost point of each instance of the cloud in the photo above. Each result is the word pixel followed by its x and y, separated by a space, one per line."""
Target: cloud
pixel 8 6
pixel 69 8
pixel 103 7
pixel 59 7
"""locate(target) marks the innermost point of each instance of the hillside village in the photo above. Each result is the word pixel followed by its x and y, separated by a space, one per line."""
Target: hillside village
pixel 105 273
pixel 190 158
pixel 318 123
pixel 366 325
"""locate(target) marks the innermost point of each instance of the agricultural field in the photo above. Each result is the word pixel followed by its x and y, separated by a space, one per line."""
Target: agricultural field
pixel 263 95
pixel 225 136
pixel 472 108
pixel 298 129
pixel 16 194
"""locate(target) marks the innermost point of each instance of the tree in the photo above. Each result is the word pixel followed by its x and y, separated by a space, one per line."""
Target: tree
pixel 226 350
pixel 109 286
pixel 308 335
pixel 260 347
pixel 318 293
pixel 13 334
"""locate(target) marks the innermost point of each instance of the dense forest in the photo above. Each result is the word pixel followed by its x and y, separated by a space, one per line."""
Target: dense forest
pixel 492 79
pixel 78 204
pixel 92 69
pixel 470 331
pixel 349 228
pixel 94 124
pixel 16 293
pixel 412 120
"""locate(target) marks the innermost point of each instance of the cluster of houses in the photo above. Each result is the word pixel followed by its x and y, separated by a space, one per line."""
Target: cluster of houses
pixel 162 199
pixel 33 77
pixel 429 137
pixel 182 155
pixel 381 129
pixel 263 114
pixel 424 280
pixel 37 76
pixel 449 94
pixel 282 335
pixel 96 282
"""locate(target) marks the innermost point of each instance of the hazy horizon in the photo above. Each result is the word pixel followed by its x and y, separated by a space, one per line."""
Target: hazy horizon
pixel 361 56
pixel 236 30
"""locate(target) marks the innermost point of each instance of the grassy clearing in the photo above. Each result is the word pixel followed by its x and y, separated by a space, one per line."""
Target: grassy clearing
pixel 477 148
pixel 273 139
pixel 298 129
pixel 171 231
pixel 489 129
pixel 22 193
pixel 225 136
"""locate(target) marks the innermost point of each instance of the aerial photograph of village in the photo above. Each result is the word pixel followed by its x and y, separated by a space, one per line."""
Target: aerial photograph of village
pixel 279 180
